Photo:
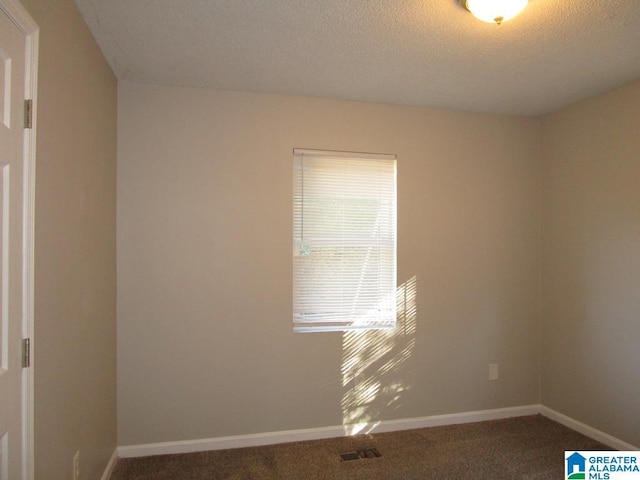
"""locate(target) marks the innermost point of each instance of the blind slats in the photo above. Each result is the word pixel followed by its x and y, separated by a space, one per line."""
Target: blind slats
pixel 344 241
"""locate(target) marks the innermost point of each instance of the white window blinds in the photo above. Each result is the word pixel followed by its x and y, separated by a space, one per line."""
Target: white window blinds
pixel 344 241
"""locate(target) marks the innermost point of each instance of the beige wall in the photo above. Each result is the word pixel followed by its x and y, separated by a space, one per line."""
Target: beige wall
pixel 75 404
pixel 591 262
pixel 205 340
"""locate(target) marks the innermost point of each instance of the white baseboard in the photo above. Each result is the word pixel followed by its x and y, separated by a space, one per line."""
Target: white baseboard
pixel 254 440
pixel 110 466
pixel 586 429
pixel 270 438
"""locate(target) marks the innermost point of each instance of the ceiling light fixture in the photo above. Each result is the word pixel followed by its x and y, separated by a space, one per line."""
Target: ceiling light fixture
pixel 494 11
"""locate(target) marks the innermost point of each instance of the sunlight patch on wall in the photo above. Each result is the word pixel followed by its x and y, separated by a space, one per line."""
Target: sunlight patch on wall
pixel 371 361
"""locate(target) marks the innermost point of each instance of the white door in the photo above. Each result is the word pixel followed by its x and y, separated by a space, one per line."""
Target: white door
pixel 13 170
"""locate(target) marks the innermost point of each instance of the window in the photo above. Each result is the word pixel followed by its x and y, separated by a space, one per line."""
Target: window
pixel 344 241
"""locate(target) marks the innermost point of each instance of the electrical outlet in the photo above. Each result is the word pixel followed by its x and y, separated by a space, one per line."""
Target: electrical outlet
pixel 76 466
pixel 493 371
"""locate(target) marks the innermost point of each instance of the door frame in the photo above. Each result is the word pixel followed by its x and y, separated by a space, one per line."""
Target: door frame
pixel 29 28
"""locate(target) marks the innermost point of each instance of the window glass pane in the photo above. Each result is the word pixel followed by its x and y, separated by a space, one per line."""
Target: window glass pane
pixel 344 242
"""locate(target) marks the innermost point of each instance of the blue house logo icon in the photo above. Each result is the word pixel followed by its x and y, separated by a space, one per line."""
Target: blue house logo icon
pixel 576 467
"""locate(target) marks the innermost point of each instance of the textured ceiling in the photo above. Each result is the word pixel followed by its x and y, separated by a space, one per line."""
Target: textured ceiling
pixel 414 52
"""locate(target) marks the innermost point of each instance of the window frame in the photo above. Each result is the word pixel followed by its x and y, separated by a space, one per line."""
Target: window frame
pixel 376 310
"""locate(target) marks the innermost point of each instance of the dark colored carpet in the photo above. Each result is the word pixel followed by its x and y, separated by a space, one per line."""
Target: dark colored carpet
pixel 526 448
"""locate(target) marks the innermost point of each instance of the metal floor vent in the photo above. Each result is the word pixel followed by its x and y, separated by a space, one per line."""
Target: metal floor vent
pixel 360 454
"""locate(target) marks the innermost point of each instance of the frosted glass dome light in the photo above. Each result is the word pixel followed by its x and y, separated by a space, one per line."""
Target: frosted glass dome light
pixel 494 11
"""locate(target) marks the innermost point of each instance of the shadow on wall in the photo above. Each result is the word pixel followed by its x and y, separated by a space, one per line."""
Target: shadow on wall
pixel 370 363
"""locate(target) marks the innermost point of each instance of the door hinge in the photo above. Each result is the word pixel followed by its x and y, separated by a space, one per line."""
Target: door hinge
pixel 26 352
pixel 28 113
